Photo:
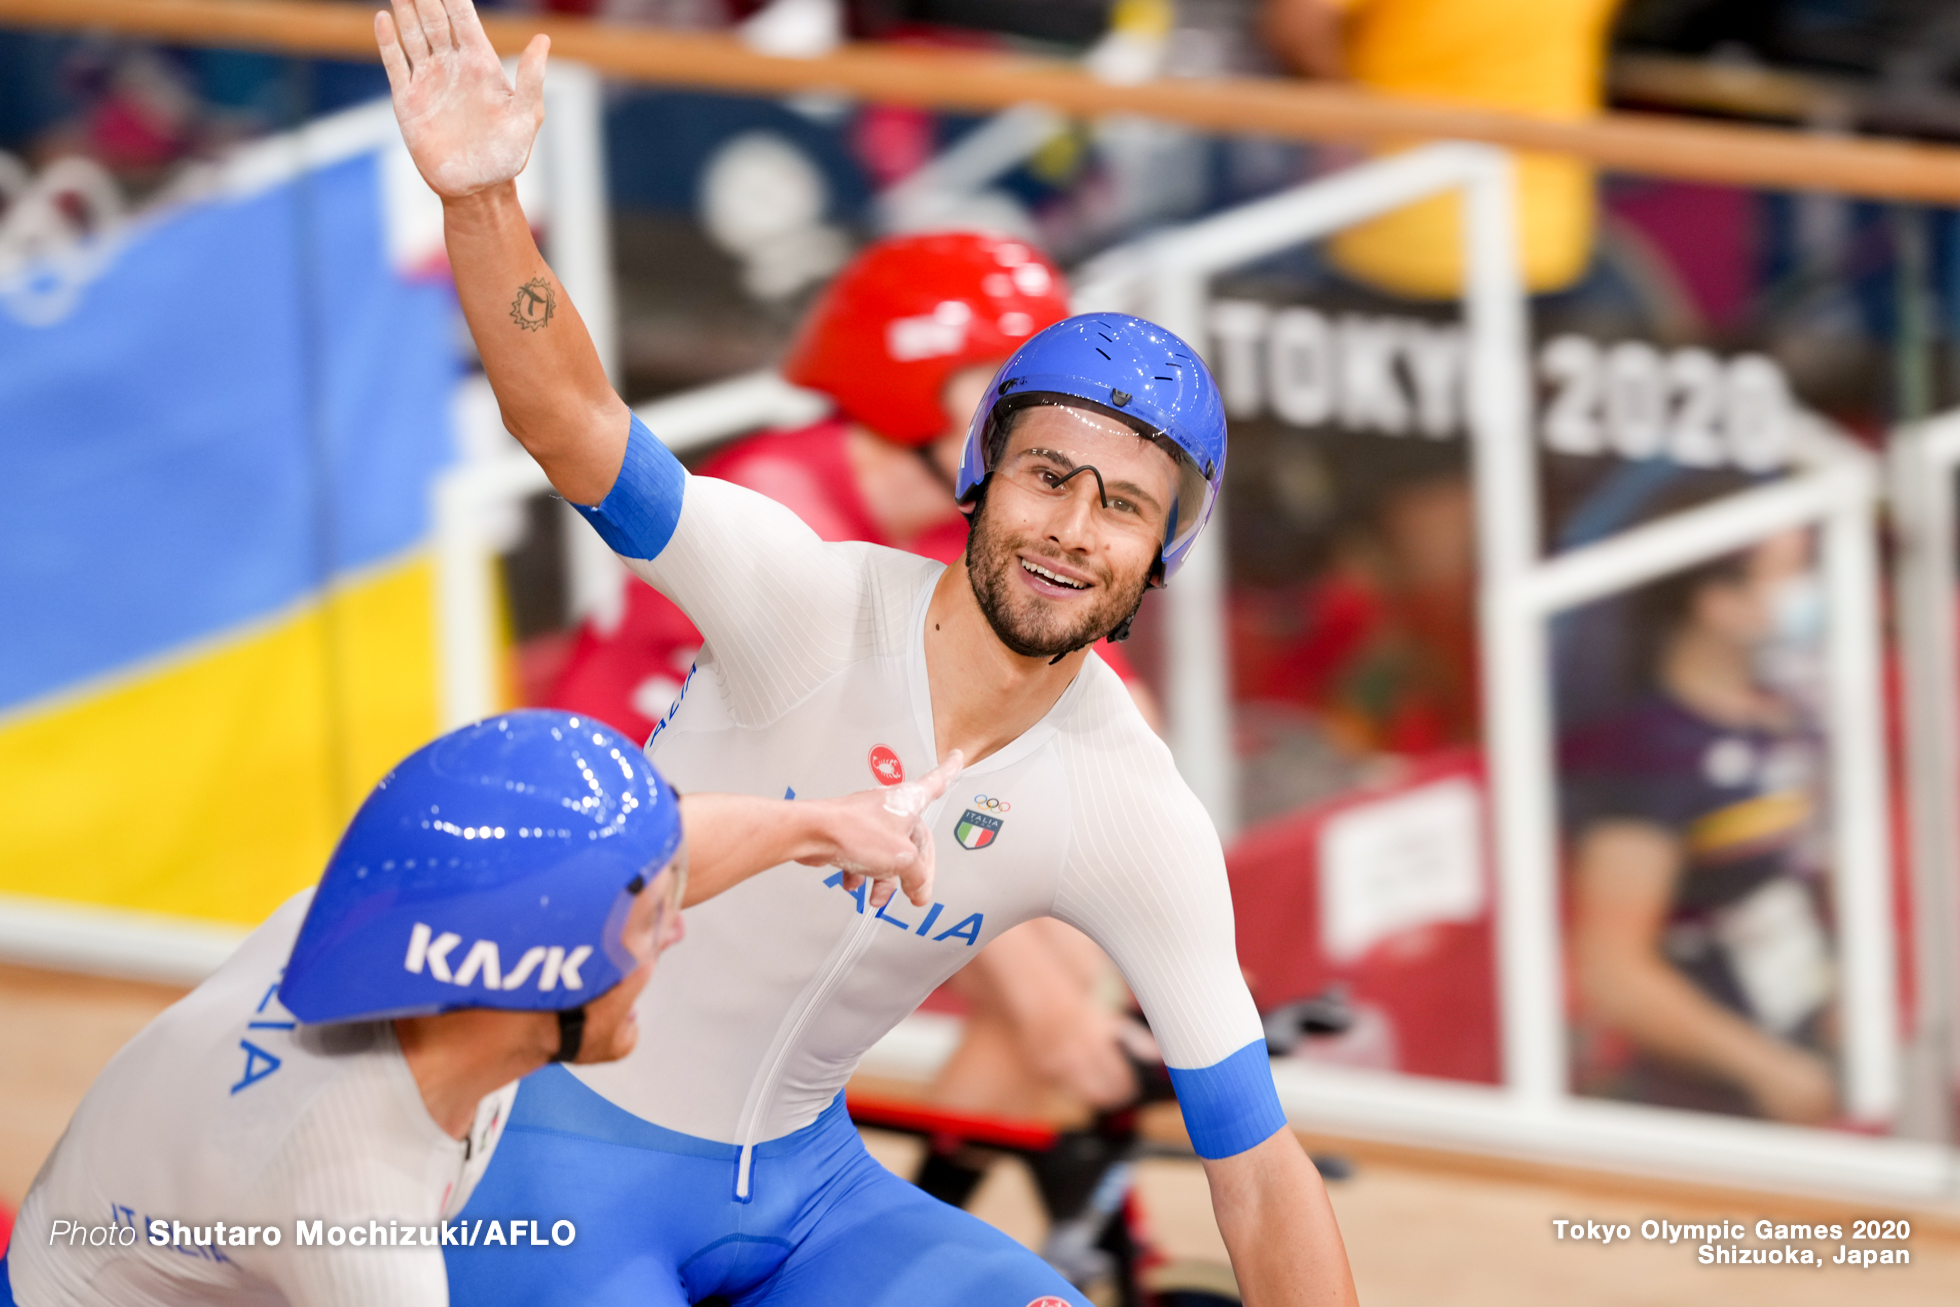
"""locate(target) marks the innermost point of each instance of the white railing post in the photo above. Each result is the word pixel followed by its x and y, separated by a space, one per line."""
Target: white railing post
pixel 1926 589
pixel 1200 672
pixel 465 638
pixel 932 195
pixel 578 242
pixel 1861 862
pixel 1513 643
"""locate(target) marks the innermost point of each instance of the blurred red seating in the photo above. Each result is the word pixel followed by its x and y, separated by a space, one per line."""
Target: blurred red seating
pixel 1428 967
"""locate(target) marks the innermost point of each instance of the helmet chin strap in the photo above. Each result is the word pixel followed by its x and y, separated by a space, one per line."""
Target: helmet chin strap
pixel 1117 633
pixel 571 1033
pixel 1121 631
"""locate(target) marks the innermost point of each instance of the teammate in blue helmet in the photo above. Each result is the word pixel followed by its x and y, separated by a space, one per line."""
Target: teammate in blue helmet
pixel 341 1082
pixel 528 863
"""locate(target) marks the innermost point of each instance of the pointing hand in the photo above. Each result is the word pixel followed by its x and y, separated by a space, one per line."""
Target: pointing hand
pixel 881 835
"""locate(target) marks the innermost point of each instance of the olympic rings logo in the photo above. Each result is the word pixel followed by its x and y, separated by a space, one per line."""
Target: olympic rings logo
pixel 992 805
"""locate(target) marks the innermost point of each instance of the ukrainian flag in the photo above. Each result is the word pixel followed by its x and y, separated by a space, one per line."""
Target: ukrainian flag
pixel 215 595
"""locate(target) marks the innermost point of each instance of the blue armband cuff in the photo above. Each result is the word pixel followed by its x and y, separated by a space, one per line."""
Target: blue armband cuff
pixel 638 515
pixel 1231 1105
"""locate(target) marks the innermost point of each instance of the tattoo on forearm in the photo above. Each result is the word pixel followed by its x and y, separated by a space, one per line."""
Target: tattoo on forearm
pixel 535 303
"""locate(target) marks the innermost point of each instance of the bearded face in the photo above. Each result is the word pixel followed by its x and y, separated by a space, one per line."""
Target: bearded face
pixel 996 557
pixel 1064 543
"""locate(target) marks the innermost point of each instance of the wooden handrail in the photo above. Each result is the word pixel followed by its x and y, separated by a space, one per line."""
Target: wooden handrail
pixel 1650 145
pixel 1752 90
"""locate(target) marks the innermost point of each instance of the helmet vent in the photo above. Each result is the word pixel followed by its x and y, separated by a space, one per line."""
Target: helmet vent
pixel 1105 353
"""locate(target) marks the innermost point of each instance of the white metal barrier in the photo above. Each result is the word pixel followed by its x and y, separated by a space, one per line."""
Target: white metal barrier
pixel 1521 592
pixel 1839 499
pixel 1926 590
pixel 1177 268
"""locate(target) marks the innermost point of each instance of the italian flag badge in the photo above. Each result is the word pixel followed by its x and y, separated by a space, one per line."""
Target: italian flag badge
pixel 976 830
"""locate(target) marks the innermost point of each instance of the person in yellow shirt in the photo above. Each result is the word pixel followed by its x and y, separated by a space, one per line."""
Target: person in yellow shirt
pixel 1545 58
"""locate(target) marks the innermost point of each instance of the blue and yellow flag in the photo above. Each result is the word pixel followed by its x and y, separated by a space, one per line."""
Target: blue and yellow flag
pixel 215 604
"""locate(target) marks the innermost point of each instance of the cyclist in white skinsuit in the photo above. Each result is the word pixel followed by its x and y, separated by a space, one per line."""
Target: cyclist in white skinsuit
pixel 714 1162
pixel 222 1113
pixel 348 1072
pixel 814 665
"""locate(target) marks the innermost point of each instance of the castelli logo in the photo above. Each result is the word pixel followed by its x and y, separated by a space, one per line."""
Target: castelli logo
pixel 886 766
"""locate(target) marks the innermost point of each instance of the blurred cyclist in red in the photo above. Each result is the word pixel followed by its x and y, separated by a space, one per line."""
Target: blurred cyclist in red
pixel 905 340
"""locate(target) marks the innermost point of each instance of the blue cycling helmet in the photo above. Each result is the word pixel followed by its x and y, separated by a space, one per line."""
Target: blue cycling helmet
pixel 491 868
pixel 1131 370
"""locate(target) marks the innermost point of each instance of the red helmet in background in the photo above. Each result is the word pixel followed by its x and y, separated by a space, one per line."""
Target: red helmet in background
pixel 909 312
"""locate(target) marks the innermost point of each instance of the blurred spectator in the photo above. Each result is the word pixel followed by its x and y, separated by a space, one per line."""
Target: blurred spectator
pixel 139 110
pixel 1408 684
pixel 1061 22
pixel 1540 57
pixel 1382 646
pixel 1698 950
pixel 135 110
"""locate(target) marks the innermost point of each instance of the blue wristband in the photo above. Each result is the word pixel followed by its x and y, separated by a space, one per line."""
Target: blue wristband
pixel 1231 1105
pixel 638 515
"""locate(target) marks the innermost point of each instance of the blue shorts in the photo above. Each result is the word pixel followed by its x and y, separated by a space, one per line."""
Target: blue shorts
pixel 659 1224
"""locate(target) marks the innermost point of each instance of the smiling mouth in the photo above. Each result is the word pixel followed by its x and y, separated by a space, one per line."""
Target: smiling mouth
pixel 1052 577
